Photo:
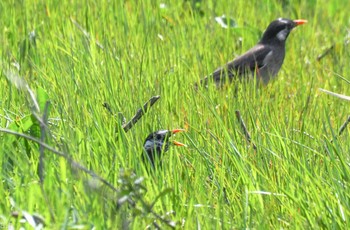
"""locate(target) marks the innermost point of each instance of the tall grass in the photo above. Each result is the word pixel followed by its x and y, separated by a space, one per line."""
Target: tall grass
pixel 82 54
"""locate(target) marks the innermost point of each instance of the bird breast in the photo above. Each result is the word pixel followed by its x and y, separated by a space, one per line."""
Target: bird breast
pixel 271 65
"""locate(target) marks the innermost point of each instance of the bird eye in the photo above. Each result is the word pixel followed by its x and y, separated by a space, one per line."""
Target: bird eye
pixel 159 137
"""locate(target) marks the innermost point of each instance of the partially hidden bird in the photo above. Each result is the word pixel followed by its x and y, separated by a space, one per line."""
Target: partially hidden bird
pixel 156 144
pixel 263 61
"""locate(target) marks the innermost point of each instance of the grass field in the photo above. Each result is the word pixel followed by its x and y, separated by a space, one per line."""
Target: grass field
pixel 81 54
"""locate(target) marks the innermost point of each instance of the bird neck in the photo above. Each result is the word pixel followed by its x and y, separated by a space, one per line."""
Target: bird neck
pixel 272 41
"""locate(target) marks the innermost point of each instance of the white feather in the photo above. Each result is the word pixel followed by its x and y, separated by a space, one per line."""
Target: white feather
pixel 282 35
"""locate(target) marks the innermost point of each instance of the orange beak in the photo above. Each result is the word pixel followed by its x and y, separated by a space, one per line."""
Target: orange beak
pixel 176 131
pixel 300 21
pixel 179 143
pixel 176 142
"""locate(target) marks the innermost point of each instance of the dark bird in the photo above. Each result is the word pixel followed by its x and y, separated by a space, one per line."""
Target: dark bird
pixel 157 143
pixel 264 60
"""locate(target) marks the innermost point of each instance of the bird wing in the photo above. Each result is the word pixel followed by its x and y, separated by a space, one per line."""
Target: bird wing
pixel 247 63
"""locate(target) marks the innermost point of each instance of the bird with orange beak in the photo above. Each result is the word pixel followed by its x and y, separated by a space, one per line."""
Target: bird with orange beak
pixel 158 143
pixel 263 61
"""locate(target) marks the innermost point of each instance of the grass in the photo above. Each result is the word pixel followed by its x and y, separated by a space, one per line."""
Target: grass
pixel 80 55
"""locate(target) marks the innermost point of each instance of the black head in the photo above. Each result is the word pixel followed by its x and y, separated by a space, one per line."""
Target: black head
pixel 158 142
pixel 278 30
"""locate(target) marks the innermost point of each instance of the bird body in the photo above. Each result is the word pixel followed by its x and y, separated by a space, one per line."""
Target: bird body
pixel 264 60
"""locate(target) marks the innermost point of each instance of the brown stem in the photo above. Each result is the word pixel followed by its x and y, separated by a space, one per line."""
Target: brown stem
pixel 325 53
pixel 140 112
pixel 244 128
pixel 342 128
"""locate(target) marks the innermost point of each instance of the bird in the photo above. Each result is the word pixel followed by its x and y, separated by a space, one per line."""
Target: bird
pixel 263 61
pixel 157 143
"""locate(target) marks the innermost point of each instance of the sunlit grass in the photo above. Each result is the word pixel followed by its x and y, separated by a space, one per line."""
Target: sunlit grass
pixel 122 53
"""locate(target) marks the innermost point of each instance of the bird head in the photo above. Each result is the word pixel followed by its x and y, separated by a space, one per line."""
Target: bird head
pixel 279 29
pixel 158 142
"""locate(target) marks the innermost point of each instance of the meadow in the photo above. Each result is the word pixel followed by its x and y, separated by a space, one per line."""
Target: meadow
pixel 67 162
